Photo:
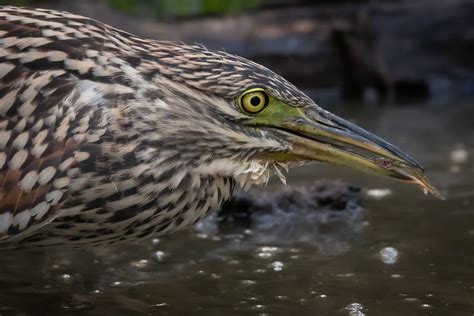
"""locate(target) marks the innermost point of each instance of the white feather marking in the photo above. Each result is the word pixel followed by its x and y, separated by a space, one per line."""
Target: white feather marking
pixel 18 159
pixel 39 210
pixel 21 219
pixel 5 221
pixel 46 175
pixel 29 181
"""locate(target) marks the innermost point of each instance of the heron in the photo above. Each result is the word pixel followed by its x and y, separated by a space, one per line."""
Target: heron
pixel 108 137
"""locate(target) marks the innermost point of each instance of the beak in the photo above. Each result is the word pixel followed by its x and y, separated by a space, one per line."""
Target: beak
pixel 318 135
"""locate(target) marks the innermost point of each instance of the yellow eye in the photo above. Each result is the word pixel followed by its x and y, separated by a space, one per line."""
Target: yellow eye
pixel 254 101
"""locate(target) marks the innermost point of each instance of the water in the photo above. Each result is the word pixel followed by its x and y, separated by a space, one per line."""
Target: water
pixel 404 254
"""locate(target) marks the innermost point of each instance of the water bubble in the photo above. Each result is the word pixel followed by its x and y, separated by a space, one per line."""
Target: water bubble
pixel 78 306
pixel 322 296
pixel 160 255
pixel 268 249
pixel 459 155
pixel 66 277
pixel 388 255
pixel 277 265
pixel 248 282
pixel 140 264
pixel 155 241
pixel 426 306
pixel 378 194
pixel 355 309
pixel 345 275
pixel 259 307
pixel 265 255
pixel 159 305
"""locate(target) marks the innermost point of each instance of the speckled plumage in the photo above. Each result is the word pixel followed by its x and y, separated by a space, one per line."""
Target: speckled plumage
pixel 105 136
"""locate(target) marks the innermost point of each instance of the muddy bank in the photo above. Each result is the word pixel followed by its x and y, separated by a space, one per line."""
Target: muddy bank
pixel 397 49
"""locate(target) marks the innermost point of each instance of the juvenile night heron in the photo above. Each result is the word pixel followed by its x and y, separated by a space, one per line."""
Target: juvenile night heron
pixel 106 137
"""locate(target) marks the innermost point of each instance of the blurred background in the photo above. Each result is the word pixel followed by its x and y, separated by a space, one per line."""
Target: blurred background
pixel 335 241
pixel 372 50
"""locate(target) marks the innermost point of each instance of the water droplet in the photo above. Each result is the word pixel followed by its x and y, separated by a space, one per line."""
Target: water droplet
pixel 248 282
pixel 378 194
pixel 277 265
pixel 140 264
pixel 78 306
pixel 268 249
pixel 159 305
pixel 388 255
pixel 265 255
pixel 459 155
pixel 396 276
pixel 202 236
pixel 355 309
pixel 259 307
pixel 426 306
pixel 66 277
pixel 160 255
pixel 155 241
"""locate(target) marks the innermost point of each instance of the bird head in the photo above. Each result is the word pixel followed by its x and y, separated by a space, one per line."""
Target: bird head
pixel 223 114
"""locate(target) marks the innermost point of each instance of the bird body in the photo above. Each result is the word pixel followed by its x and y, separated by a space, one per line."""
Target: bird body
pixel 106 137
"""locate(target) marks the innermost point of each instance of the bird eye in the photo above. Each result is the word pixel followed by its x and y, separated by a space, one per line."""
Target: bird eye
pixel 253 101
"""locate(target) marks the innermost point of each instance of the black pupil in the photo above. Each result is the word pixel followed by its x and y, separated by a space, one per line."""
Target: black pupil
pixel 255 101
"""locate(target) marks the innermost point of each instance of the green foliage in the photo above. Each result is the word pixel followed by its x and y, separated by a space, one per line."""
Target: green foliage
pixel 124 5
pixel 183 8
pixel 15 2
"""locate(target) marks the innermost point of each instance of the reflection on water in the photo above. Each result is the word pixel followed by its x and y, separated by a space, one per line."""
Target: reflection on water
pixel 404 254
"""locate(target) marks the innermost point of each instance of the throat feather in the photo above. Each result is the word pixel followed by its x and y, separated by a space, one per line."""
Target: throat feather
pixel 247 173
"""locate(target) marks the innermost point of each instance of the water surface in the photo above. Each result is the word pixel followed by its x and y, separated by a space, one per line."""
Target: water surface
pixel 402 254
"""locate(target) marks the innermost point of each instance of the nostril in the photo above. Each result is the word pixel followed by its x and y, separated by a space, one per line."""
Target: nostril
pixel 384 163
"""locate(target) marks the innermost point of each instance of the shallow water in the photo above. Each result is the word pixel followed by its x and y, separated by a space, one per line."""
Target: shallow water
pixel 403 254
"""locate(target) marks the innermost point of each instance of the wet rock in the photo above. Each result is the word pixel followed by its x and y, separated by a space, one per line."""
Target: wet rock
pixel 325 215
pixel 328 196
